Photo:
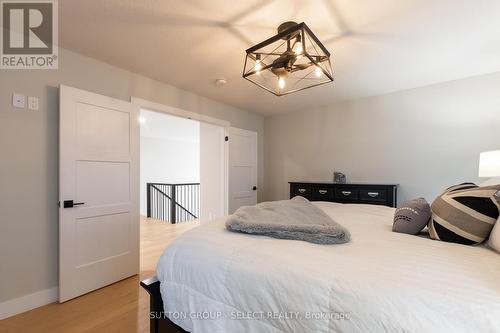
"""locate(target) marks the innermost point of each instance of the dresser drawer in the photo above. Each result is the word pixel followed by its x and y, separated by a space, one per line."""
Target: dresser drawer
pixel 347 193
pixel 299 189
pixel 373 195
pixel 323 193
pixel 362 193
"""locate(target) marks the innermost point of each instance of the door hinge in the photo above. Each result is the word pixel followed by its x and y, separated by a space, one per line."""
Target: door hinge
pixel 226 138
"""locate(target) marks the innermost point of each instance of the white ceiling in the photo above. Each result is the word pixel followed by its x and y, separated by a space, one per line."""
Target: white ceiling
pixel 162 126
pixel 377 46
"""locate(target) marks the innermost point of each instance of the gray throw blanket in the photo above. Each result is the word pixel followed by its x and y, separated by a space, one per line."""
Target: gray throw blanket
pixel 296 219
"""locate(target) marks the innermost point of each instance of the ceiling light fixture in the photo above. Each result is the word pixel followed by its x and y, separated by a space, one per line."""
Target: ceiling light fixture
pixel 290 61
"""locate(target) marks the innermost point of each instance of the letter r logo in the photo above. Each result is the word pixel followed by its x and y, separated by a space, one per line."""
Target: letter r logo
pixel 27 27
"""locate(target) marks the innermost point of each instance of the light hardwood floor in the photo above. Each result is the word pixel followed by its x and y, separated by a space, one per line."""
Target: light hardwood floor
pixel 121 307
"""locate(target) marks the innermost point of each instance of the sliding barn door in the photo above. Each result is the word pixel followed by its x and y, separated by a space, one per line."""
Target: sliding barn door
pixel 242 168
pixel 98 189
pixel 213 188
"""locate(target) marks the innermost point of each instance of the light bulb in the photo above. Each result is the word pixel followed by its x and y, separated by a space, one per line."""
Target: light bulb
pixel 318 71
pixel 281 83
pixel 142 120
pixel 258 67
pixel 298 48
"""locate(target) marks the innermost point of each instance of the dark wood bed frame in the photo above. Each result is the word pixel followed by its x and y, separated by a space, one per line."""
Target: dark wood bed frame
pixel 158 322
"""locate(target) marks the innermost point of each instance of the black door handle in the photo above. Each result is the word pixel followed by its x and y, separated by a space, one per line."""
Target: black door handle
pixel 254 188
pixel 71 204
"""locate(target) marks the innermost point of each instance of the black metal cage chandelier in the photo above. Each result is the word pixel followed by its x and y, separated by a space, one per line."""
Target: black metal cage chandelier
pixel 290 61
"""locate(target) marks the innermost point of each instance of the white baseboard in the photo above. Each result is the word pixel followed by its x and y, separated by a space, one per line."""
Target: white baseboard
pixel 28 302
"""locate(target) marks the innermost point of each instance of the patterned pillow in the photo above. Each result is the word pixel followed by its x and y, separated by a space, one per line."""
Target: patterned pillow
pixel 465 214
pixel 412 216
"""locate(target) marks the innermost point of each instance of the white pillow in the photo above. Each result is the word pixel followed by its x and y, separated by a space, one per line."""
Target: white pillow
pixel 491 182
pixel 494 241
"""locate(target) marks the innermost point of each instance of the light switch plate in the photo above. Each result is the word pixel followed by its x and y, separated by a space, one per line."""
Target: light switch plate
pixel 19 101
pixel 33 103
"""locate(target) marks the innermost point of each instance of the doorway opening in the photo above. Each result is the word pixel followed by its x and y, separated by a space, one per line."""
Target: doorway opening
pixel 182 168
pixel 170 167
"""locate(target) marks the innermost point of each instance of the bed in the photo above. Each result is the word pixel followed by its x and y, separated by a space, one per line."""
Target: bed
pixel 213 280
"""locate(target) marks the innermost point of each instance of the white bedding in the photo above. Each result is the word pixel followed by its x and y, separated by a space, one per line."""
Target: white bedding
pixel 379 282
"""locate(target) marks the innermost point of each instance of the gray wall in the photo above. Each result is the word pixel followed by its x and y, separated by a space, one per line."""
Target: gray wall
pixel 29 158
pixel 425 139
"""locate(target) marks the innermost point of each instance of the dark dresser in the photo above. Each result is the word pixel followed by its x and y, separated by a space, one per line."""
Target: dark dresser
pixel 375 194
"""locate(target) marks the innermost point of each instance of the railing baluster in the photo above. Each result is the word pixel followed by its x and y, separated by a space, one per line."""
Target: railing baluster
pixel 173 202
pixel 148 201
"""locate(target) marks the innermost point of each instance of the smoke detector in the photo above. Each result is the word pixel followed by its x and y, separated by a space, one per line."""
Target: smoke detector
pixel 220 82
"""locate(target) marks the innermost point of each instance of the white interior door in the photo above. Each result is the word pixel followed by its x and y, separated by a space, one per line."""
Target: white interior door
pixel 98 189
pixel 242 168
pixel 213 179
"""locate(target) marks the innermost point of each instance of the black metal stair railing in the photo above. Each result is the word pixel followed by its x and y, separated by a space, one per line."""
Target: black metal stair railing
pixel 173 202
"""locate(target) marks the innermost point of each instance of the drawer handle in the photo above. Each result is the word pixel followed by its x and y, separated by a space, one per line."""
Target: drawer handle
pixel 322 191
pixel 373 194
pixel 302 190
pixel 346 193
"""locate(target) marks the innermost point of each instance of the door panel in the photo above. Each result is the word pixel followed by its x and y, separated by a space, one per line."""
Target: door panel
pixel 242 168
pixel 100 129
pixel 102 237
pixel 99 156
pixel 242 156
pixel 110 182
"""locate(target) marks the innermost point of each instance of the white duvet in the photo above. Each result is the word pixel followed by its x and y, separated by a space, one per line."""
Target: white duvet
pixel 213 280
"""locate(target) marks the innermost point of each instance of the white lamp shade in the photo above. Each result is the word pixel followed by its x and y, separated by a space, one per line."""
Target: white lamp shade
pixel 489 164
